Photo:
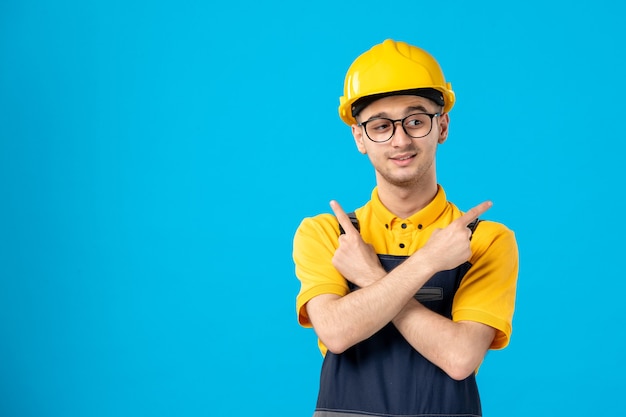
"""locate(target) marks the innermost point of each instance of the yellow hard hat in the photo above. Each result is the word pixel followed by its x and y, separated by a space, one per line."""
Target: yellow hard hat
pixel 393 68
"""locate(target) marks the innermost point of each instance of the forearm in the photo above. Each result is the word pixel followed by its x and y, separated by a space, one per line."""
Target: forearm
pixel 457 348
pixel 341 322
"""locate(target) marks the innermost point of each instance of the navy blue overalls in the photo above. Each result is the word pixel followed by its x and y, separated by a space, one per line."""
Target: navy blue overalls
pixel 385 376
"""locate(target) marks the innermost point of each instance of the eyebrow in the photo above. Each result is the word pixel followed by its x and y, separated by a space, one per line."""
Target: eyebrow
pixel 408 110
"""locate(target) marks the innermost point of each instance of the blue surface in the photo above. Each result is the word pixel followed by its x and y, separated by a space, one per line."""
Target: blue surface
pixel 140 141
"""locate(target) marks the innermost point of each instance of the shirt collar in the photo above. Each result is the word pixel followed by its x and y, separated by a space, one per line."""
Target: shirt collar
pixel 424 217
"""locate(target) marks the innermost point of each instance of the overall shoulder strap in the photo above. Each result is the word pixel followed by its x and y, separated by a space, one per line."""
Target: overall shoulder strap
pixel 472 225
pixel 355 223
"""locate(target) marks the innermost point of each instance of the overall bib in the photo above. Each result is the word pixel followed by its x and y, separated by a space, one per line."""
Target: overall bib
pixel 385 376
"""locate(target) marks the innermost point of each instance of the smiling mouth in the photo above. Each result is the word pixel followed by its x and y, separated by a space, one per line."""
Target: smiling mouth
pixel 403 157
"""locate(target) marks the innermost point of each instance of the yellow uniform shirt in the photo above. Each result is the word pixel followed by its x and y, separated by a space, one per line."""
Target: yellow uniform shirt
pixel 486 293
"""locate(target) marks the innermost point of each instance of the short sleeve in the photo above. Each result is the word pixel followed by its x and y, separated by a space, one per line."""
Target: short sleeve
pixel 314 245
pixel 487 292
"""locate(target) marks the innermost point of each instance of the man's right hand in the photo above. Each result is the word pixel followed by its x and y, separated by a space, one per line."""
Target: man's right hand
pixel 354 259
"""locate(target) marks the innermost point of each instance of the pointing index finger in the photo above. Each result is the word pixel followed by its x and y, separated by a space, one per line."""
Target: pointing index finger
pixel 342 218
pixel 473 213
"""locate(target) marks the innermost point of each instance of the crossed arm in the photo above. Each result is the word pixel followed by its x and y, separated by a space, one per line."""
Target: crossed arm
pixel 340 322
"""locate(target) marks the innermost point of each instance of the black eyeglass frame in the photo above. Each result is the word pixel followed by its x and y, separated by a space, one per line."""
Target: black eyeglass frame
pixel 393 122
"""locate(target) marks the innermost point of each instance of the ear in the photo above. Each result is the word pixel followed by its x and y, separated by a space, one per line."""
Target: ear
pixel 357 133
pixel 444 122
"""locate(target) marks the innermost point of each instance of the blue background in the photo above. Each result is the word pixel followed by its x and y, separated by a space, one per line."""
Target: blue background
pixel 157 157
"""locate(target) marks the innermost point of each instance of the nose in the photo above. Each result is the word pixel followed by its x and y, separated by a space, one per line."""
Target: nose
pixel 399 138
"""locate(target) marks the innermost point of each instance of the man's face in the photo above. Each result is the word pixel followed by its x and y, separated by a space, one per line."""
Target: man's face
pixel 402 160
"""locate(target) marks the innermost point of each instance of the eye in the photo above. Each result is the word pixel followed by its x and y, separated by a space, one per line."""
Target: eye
pixel 379 125
pixel 415 120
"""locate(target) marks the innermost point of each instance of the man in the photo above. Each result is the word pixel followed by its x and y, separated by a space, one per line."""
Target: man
pixel 408 295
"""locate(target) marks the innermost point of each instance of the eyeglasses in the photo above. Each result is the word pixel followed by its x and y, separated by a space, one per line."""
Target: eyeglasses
pixel 415 125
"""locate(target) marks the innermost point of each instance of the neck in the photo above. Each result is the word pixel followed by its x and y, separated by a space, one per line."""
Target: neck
pixel 404 201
